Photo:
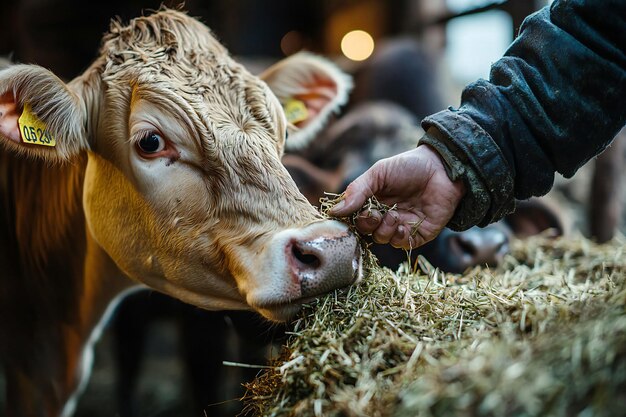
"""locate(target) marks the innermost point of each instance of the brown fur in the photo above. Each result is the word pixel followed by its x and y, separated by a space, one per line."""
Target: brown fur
pixel 47 200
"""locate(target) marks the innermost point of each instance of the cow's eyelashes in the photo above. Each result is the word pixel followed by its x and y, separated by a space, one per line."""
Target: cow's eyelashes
pixel 150 143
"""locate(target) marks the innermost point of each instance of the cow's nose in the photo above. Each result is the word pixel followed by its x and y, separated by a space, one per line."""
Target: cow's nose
pixel 322 264
pixel 480 246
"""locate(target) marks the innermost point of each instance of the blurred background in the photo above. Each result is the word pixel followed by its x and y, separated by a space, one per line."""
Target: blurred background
pixel 160 357
pixel 467 35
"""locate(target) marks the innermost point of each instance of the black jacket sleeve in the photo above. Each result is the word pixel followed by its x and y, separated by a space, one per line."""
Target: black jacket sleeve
pixel 555 100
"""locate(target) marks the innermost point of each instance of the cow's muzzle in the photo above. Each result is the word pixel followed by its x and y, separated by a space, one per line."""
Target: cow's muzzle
pixel 301 264
pixel 320 264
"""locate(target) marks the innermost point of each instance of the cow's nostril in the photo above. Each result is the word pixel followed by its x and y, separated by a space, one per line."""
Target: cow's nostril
pixel 307 259
pixel 467 246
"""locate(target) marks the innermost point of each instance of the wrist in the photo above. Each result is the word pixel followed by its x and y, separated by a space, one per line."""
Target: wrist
pixel 473 198
pixel 456 184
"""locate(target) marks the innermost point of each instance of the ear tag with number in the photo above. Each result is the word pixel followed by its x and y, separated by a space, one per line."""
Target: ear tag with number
pixel 33 130
pixel 296 111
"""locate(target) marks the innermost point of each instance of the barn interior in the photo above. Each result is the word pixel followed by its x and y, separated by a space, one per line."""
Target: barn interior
pixel 159 357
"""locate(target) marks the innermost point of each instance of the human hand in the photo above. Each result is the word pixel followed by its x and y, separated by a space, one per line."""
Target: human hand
pixel 417 184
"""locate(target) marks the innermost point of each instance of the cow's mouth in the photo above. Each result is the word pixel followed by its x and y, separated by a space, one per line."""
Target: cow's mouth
pixel 285 309
pixel 302 265
pixel 280 312
pixel 273 305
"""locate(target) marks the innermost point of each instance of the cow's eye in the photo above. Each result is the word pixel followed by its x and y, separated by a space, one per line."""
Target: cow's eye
pixel 151 143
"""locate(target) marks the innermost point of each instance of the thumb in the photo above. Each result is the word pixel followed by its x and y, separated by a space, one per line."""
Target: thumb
pixel 354 197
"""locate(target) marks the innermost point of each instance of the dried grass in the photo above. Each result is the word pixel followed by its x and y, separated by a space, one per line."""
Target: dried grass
pixel 544 334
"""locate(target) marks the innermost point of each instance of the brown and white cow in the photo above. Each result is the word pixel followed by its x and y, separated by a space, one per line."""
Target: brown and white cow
pixel 167 171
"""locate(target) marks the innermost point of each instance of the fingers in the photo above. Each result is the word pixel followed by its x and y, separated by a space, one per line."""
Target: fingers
pixel 354 197
pixel 368 221
pixel 395 233
pixel 396 229
pixel 386 229
pixel 401 239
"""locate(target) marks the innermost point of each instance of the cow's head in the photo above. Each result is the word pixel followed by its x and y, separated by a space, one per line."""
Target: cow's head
pixel 184 188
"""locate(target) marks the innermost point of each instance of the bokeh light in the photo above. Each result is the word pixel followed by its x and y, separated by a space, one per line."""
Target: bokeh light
pixel 357 45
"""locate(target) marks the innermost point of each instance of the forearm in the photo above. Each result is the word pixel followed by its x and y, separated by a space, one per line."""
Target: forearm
pixel 553 102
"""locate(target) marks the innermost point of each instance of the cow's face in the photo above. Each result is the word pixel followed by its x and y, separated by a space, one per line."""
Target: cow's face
pixel 184 188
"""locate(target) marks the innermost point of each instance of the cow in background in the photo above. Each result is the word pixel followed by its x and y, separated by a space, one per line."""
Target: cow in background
pixel 165 170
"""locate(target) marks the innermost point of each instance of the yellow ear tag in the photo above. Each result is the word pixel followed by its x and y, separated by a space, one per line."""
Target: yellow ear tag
pixel 296 111
pixel 33 130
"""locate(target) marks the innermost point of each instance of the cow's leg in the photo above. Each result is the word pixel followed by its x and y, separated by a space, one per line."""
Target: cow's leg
pixel 606 191
pixel 205 337
pixel 129 328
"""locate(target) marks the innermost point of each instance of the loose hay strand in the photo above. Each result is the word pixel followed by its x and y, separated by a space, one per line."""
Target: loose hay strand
pixel 544 334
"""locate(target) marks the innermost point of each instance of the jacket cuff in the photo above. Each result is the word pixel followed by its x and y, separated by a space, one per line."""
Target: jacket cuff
pixel 472 155
pixel 475 203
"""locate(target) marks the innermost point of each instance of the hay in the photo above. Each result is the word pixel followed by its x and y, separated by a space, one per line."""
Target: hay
pixel 544 334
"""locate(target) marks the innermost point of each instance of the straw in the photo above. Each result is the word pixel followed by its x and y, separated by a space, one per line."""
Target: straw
pixel 543 334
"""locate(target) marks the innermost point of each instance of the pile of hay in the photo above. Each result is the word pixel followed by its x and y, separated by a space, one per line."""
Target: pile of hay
pixel 544 334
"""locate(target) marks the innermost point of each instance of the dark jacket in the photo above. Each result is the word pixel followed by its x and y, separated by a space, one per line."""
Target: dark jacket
pixel 555 100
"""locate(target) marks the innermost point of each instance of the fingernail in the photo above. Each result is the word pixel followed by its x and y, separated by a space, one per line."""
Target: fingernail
pixel 391 219
pixel 372 221
pixel 338 206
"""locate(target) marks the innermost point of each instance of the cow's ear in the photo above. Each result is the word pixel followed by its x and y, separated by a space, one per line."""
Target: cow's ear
pixel 310 88
pixel 39 115
pixel 535 216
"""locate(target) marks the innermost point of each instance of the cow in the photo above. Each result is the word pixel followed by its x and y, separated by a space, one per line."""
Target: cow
pixel 158 166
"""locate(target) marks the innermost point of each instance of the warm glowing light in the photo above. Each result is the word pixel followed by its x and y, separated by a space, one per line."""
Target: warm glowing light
pixel 357 45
